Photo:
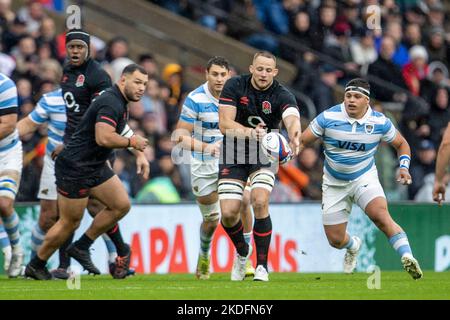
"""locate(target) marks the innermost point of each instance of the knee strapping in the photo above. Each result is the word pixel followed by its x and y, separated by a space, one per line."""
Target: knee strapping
pixel 230 190
pixel 210 212
pixel 8 187
pixel 263 179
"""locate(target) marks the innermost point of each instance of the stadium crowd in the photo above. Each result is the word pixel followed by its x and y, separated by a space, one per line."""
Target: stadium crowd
pixel 411 50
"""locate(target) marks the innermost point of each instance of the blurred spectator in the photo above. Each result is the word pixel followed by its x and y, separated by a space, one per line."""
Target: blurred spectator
pixel 32 14
pixel 425 193
pixel 338 47
pixel 394 31
pixel 11 36
pixel 272 15
pixel 7 63
pixel 415 14
pixel 384 68
pixel 6 14
pixel 310 164
pixel 117 66
pixel 436 15
pixel 422 163
pixel 416 70
pixel 439 115
pixel 363 50
pixel 437 76
pixel 153 104
pixel 323 28
pixel 50 70
pixel 117 48
pixel 350 15
pixel 437 48
pixel 322 91
pixel 147 61
pixel 47 37
pixel 173 76
pixel 300 29
pixel 413 35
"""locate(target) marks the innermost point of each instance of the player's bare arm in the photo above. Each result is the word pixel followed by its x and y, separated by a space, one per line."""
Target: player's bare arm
pixel 184 135
pixel 293 127
pixel 7 124
pixel 26 126
pixel 442 161
pixel 403 151
pixel 307 138
pixel 106 136
pixel 228 126
pixel 142 165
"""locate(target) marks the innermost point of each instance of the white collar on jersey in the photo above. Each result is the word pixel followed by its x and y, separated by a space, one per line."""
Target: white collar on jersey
pixel 209 94
pixel 353 120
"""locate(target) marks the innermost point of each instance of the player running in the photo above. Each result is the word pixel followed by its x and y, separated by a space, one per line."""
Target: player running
pixel 199 129
pixel 81 169
pixel 51 111
pixel 249 105
pixel 83 79
pixel 351 132
pixel 10 172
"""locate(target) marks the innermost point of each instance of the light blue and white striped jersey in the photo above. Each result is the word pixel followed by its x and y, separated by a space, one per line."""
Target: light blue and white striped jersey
pixel 8 105
pixel 202 109
pixel 51 109
pixel 350 144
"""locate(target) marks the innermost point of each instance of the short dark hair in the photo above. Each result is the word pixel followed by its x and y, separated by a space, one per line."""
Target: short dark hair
pixel 218 61
pixel 129 69
pixel 359 82
pixel 265 54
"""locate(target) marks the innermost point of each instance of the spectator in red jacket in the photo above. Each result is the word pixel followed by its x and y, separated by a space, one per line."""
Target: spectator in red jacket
pixel 417 69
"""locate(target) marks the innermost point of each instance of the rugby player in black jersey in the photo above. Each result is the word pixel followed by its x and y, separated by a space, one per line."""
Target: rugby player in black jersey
pixel 83 79
pixel 82 170
pixel 249 106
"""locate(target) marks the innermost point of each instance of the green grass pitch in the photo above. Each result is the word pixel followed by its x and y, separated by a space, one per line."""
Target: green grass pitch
pixel 394 285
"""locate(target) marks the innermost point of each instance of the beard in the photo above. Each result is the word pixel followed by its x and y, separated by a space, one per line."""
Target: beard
pixel 130 95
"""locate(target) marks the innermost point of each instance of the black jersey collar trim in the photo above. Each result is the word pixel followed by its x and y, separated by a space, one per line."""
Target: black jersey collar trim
pixel 119 93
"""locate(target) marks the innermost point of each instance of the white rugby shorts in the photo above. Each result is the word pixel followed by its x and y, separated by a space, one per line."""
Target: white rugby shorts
pixel 47 185
pixel 204 176
pixel 11 160
pixel 339 195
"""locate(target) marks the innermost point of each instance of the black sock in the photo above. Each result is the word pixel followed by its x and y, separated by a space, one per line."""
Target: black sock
pixel 262 233
pixel 236 234
pixel 37 263
pixel 64 259
pixel 84 243
pixel 116 237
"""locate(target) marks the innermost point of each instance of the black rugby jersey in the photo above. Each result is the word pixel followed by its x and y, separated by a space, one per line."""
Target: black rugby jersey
pixel 79 86
pixel 82 152
pixel 253 105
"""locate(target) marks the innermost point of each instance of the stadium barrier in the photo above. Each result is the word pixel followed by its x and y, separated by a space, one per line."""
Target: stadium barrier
pixel 165 239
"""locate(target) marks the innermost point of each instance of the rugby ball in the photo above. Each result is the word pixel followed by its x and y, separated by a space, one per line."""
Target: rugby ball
pixel 276 148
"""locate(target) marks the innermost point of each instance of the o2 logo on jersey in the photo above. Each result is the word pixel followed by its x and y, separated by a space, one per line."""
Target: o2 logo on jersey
pixel 70 101
pixel 254 121
pixel 266 107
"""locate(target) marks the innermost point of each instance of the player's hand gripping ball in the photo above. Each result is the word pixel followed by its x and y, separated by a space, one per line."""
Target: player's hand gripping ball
pixel 276 148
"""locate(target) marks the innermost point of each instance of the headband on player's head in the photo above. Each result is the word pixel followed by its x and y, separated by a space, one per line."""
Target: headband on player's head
pixel 361 90
pixel 80 35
